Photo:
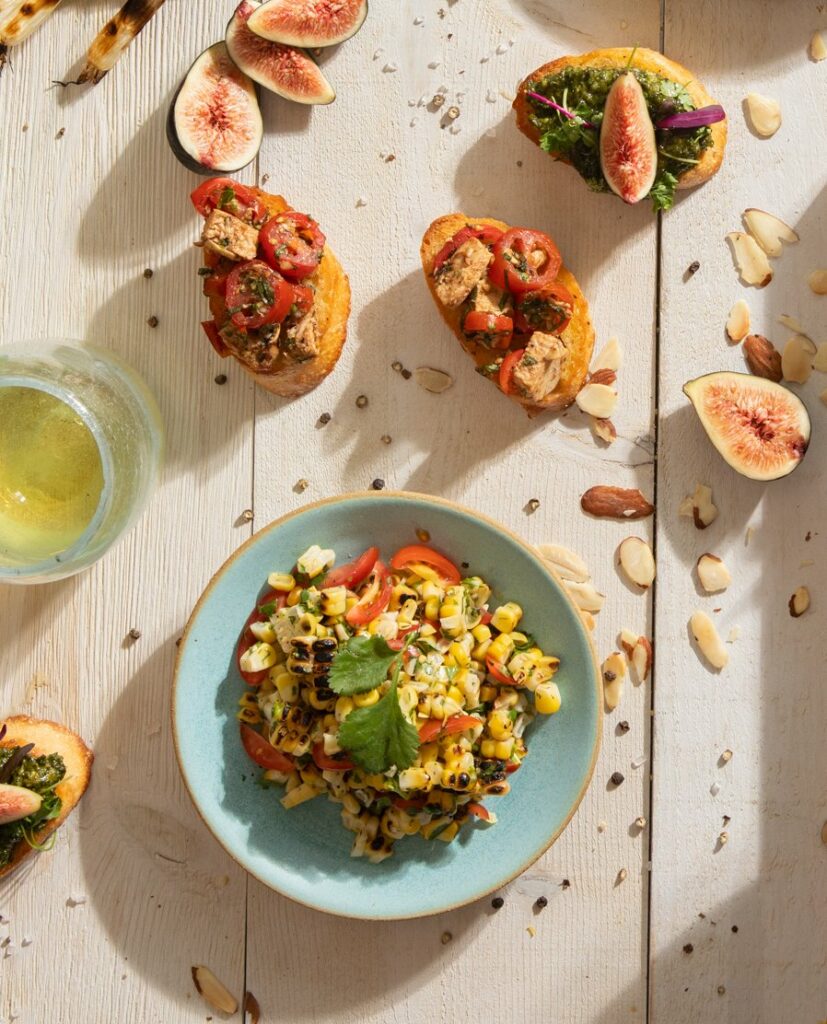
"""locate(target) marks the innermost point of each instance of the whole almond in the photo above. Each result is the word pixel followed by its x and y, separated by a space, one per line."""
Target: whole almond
pixel 615 503
pixel 603 376
pixel 763 358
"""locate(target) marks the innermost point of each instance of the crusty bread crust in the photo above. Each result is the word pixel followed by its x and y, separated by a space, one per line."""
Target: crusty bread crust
pixel 578 336
pixel 646 60
pixel 332 303
pixel 50 738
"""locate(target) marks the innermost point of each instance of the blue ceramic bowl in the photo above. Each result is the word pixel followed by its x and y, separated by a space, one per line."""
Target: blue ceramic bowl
pixel 304 853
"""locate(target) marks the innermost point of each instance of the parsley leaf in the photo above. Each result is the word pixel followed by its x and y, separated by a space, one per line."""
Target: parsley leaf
pixel 380 736
pixel 361 664
pixel 662 192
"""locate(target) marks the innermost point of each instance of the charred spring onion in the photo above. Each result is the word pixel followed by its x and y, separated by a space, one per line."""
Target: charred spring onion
pixel 115 37
pixel 19 19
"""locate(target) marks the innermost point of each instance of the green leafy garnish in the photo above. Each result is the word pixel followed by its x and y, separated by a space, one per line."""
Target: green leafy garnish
pixel 267 609
pixel 662 192
pixel 380 736
pixel 361 665
pixel 226 197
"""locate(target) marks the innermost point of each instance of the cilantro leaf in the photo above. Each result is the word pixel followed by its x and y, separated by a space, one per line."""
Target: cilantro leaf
pixel 380 736
pixel 662 192
pixel 361 664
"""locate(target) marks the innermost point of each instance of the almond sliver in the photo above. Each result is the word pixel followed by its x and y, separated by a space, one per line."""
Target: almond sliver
pixel 737 325
pixel 637 561
pixel 769 231
pixel 750 259
pixel 797 359
pixel 566 563
pixel 708 640
pixel 597 400
pixel 610 357
pixel 764 114
pixel 713 573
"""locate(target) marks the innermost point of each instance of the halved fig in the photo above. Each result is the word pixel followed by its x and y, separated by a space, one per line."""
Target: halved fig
pixel 285 70
pixel 309 22
pixel 628 151
pixel 16 803
pixel 760 428
pixel 214 122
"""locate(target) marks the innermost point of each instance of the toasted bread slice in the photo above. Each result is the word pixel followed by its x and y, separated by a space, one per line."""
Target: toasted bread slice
pixel 50 738
pixel 332 303
pixel 646 60
pixel 578 335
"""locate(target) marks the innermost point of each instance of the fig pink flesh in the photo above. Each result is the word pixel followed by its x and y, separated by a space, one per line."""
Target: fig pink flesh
pixel 309 22
pixel 628 151
pixel 17 803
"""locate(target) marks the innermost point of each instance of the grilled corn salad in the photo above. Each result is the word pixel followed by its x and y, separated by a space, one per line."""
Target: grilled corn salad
pixel 391 688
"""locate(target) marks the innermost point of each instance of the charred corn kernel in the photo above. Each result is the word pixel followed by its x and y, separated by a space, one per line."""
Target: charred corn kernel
pixel 449 833
pixel 281 581
pixel 287 686
pixel 258 657
pixel 413 778
pixel 334 601
pixel 481 633
pixel 432 608
pixel 423 705
pixel 547 698
pixel 323 630
pixel 425 572
pixel 520 639
pixel 434 770
pixel 407 613
pixel 460 653
pixel 521 666
pixel 501 648
pixel 307 623
pixel 408 699
pixel 427 630
pixel 271 775
pixel 329 723
pixel 507 697
pixel 400 595
pixel 390 825
pixel 429 828
pixel 376 781
pixel 299 795
pixel 249 715
pixel 315 701
pixel 503 749
pixel 351 602
pixel 506 617
pixel 550 662
pixel 456 694
pixel 294 597
pixel 431 589
pixel 500 725
pixel 463 763
pixel 366 700
pixel 311 776
pixel 480 652
pixel 293 780
pixel 538 677
pixel 350 803
pixel 344 706
pixel 263 631
pixel 428 752
pixel 488 748
pixel 470 686
pixel 248 700
pixel 487 693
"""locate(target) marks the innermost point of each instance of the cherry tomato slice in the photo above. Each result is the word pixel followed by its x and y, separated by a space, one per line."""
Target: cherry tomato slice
pixel 507 369
pixel 257 295
pixel 303 298
pixel 215 285
pixel 438 727
pixel 263 753
pixel 547 309
pixel 292 243
pixel 375 599
pixel 351 574
pixel 229 195
pixel 478 810
pixel 514 266
pixel 489 329
pixel 326 763
pixel 497 671
pixel 400 641
pixel 419 553
pixel 247 639
pixel 486 233
pixel 414 803
pixel 210 328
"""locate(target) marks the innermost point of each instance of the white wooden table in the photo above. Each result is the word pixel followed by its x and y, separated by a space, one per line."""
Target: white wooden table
pixel 92 195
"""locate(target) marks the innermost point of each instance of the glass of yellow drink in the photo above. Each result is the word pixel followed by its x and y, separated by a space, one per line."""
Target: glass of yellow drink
pixel 80 449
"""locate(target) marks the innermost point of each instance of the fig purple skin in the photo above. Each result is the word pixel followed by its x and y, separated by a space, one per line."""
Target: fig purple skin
pixel 17 803
pixel 309 22
pixel 628 150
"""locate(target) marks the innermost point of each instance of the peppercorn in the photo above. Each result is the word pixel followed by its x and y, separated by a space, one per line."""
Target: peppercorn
pixel 541 902
pixel 688 947
pixel 446 938
pixel 386 439
pixel 378 484
pixel 148 273
pixel 361 401
pixel 623 726
pixel 406 374
pixel 221 378
pixel 617 778
pixel 153 321
pixel 247 515
pixel 533 505
pixel 325 418
pixel 134 634
pixel 497 902
pixel 693 268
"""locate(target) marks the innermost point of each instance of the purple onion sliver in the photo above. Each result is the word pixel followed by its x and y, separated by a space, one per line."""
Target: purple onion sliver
pixel 556 106
pixel 693 118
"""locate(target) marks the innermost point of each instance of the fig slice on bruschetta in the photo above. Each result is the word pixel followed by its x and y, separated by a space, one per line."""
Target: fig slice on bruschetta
pixel 516 310
pixel 279 298
pixel 630 121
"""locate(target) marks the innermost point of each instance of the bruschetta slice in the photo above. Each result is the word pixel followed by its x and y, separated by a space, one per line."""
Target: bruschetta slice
pixel 40 787
pixel 279 298
pixel 516 310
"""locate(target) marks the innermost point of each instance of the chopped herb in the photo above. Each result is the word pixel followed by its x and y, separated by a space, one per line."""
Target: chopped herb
pixel 226 197
pixel 202 271
pixel 380 736
pixel 361 664
pixel 662 193
pixel 267 609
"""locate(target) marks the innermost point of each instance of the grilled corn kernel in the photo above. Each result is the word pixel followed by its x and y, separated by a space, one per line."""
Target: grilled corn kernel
pixel 521 666
pixel 427 629
pixel 449 833
pixel 538 676
pixel 334 601
pixel 503 749
pixel 423 705
pixel 547 698
pixel 499 724
pixel 507 698
pixel 431 589
pixel 351 602
pixel 520 639
pixel 249 715
pixel 414 778
pixel 258 657
pixel 463 763
pixel 307 623
pixel 501 648
pixel 294 597
pixel 344 706
pixel 408 699
pixel 481 633
pixel 407 613
pixel 299 795
pixel 456 694
pixel 460 653
pixel 487 693
pixel 350 803
pixel 480 652
pixel 281 581
pixel 400 596
pixel 550 662
pixel 506 617
pixel 248 700
pixel 432 608
pixel 488 748
pixel 319 703
pixel 470 686
pixel 366 700
pixel 434 769
pixel 263 631
pixel 435 825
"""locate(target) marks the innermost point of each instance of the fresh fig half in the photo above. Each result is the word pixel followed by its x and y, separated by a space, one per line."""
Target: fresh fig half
pixel 628 151
pixel 214 122
pixel 760 428
pixel 309 22
pixel 286 70
pixel 16 802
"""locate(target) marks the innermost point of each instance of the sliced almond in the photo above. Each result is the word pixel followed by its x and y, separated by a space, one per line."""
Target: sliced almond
pixel 763 358
pixel 820 361
pixel 708 639
pixel 818 48
pixel 567 564
pixel 628 639
pixel 610 357
pixel 799 602
pixel 597 400
pixel 615 503
pixel 642 658
pixel 791 322
pixel 737 325
pixel 686 507
pixel 769 231
pixel 589 620
pixel 764 114
pixel 797 359
pixel 212 990
pixel 604 429
pixel 750 259
pixel 585 596
pixel 699 507
pixel 713 573
pixel 435 381
pixel 818 282
pixel 637 561
pixel 614 673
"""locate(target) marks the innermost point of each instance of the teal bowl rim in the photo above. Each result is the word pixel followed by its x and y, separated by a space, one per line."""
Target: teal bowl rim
pixel 446 503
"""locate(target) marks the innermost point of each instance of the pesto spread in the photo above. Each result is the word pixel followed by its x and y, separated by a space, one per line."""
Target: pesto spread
pixel 583 92
pixel 41 775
